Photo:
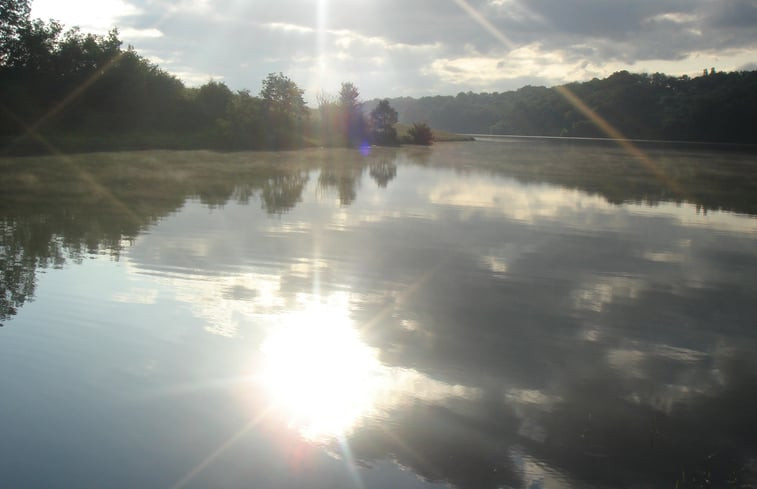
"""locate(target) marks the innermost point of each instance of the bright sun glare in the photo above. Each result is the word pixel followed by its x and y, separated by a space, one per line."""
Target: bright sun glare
pixel 319 373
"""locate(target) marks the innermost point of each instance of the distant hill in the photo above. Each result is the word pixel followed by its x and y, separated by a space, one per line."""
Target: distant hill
pixel 718 107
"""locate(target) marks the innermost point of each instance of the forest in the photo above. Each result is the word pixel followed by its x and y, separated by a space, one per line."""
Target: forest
pixel 713 107
pixel 64 90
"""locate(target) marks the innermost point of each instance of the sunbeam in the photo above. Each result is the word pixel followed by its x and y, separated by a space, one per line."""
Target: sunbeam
pixel 321 29
pixel 625 143
pixel 488 26
pixel 576 102
pixel 194 471
pixel 96 187
pixel 32 130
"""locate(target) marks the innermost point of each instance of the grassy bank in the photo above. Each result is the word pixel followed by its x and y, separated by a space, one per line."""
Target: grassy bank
pixel 439 135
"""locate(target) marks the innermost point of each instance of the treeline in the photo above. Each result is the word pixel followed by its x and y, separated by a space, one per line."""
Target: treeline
pixel 67 90
pixel 71 91
pixel 718 107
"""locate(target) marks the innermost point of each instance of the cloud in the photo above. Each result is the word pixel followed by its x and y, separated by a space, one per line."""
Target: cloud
pixel 97 16
pixel 196 79
pixel 394 47
pixel 283 26
pixel 131 33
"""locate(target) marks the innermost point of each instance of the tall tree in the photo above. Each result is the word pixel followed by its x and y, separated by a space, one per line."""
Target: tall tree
pixel 354 126
pixel 282 96
pixel 349 97
pixel 383 119
pixel 284 108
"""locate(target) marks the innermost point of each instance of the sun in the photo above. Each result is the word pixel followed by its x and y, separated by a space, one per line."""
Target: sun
pixel 318 373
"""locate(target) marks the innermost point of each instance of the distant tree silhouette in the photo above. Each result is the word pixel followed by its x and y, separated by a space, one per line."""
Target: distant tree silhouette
pixel 349 97
pixel 420 133
pixel 715 107
pixel 352 114
pixel 383 118
pixel 331 125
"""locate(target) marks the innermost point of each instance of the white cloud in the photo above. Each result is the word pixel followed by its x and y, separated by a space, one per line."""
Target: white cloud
pixel 195 79
pixel 131 33
pixel 191 6
pixel 526 61
pixel 674 17
pixel 96 16
pixel 283 26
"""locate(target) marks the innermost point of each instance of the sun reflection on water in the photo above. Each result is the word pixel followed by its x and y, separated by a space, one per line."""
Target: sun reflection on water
pixel 319 373
pixel 324 380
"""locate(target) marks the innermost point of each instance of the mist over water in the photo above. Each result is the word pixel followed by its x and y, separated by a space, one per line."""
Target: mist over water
pixel 508 313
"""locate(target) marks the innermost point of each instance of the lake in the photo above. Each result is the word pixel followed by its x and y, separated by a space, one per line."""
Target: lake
pixel 502 313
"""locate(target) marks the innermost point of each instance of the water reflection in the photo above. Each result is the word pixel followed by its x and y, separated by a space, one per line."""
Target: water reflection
pixel 383 171
pixel 281 193
pixel 344 178
pixel 479 321
pixel 318 372
pixel 325 380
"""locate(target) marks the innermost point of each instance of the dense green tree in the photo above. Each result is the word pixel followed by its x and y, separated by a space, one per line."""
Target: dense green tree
pixel 14 18
pixel 282 95
pixel 383 119
pixel 213 100
pixel 284 110
pixel 73 86
pixel 245 120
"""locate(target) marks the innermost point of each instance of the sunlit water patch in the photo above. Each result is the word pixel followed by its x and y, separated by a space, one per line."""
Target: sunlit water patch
pixel 324 379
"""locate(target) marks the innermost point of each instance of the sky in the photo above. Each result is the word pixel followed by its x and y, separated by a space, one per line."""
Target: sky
pixel 393 48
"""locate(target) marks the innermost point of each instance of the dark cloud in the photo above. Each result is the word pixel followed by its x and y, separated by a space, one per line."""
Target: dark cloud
pixel 733 14
pixel 603 19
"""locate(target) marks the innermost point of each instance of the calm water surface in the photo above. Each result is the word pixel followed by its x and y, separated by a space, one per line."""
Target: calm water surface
pixel 509 313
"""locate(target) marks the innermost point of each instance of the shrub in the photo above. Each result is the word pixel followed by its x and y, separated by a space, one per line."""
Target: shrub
pixel 420 133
